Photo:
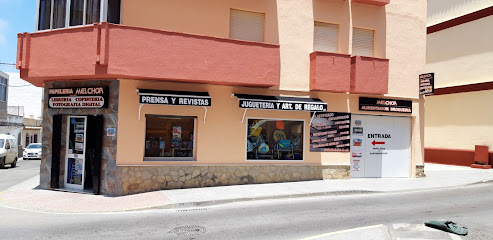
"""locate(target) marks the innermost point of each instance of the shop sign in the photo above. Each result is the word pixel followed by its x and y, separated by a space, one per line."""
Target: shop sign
pixel 385 105
pixel 179 98
pixel 330 132
pixel 281 103
pixel 426 83
pixel 79 97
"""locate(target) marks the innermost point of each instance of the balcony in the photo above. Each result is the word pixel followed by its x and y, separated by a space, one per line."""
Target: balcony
pixel 372 2
pixel 330 72
pixel 369 75
pixel 110 51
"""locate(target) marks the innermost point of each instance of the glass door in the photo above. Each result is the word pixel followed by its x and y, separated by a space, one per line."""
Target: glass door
pixel 75 152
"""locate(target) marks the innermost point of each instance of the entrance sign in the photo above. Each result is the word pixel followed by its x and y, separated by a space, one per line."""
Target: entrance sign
pixel 385 105
pixel 281 103
pixel 426 83
pixel 179 98
pixel 80 97
pixel 382 148
pixel 76 150
pixel 330 132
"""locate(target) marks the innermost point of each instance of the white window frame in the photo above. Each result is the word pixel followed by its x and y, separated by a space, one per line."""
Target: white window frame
pixel 103 17
pixel 274 160
pixel 174 159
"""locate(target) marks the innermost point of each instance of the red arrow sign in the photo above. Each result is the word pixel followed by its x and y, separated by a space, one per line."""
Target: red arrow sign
pixel 375 143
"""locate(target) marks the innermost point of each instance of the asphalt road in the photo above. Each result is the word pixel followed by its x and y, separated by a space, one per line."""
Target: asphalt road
pixel 24 170
pixel 272 219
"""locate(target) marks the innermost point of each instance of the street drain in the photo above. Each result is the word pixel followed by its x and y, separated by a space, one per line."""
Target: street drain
pixel 188 230
pixel 191 209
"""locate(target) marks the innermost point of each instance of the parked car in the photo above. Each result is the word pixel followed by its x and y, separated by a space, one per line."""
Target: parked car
pixel 8 151
pixel 32 151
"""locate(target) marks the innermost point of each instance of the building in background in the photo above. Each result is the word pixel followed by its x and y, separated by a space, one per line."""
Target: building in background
pixel 460 54
pixel 148 95
pixel 11 119
pixel 31 132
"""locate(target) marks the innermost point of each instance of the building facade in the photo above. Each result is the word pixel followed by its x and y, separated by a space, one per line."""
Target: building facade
pixel 11 118
pixel 180 94
pixel 460 54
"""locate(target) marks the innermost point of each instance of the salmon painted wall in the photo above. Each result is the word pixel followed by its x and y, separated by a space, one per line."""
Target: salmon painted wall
pixel 459 121
pixel 462 54
pixel 444 10
pixel 222 138
pixel 209 18
pixel 400 31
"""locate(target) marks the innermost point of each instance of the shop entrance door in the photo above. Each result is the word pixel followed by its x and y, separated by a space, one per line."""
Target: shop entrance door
pixel 75 152
pixel 380 146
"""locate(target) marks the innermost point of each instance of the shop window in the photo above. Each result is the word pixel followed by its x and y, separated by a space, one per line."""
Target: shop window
pixel 3 89
pixel 363 42
pixel 169 138
pixel 325 37
pixel 270 139
pixel 54 14
pixel 245 25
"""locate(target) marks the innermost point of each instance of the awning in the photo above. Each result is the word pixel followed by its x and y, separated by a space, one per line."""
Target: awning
pixel 176 98
pixel 281 103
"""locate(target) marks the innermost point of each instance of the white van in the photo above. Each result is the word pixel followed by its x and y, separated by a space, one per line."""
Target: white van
pixel 8 150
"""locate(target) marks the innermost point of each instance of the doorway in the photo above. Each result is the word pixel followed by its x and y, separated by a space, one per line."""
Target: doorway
pixel 380 146
pixel 82 158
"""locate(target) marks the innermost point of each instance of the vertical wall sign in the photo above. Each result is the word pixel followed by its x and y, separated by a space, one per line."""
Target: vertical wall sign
pixel 329 132
pixel 426 83
pixel 78 97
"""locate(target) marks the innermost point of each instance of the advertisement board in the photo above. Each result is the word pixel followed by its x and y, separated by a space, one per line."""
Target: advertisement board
pixel 329 132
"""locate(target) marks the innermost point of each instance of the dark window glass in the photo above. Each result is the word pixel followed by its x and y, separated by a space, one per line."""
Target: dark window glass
pixel 76 12
pixel 274 139
pixel 44 14
pixel 114 11
pixel 92 11
pixel 59 12
pixel 169 137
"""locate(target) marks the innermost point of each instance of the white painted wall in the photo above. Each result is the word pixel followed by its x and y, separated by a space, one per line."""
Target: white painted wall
pixel 444 10
pixel 28 95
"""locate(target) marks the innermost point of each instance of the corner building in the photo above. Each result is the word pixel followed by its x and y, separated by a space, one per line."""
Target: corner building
pixel 149 95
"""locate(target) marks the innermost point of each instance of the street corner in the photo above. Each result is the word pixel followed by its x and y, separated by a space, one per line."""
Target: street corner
pixel 374 232
pixel 69 202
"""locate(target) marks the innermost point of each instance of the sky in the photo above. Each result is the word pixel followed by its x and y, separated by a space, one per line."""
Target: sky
pixel 16 16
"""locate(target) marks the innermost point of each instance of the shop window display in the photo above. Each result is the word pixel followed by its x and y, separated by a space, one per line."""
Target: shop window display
pixel 169 137
pixel 274 139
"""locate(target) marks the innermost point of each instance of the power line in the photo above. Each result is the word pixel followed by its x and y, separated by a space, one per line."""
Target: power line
pixel 10 64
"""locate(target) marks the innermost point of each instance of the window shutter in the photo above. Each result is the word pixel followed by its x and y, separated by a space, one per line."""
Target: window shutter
pixel 363 42
pixel 325 37
pixel 246 25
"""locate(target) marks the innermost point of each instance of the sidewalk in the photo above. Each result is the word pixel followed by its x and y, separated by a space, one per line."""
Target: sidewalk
pixel 26 196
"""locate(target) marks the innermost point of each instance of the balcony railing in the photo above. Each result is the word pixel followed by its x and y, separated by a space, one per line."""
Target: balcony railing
pixel 330 72
pixel 110 51
pixel 369 75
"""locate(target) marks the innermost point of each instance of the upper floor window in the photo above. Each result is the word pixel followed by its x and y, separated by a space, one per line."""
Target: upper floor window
pixel 53 14
pixel 363 42
pixel 3 89
pixel 325 37
pixel 245 25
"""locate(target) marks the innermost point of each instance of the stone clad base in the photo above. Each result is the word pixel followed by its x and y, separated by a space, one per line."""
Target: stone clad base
pixel 137 179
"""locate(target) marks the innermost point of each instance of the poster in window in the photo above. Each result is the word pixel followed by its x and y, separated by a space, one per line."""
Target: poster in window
pixel 176 132
pixel 79 137
pixel 330 132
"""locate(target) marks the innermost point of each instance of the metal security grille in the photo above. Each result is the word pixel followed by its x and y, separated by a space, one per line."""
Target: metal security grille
pixel 363 42
pixel 246 25
pixel 325 37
